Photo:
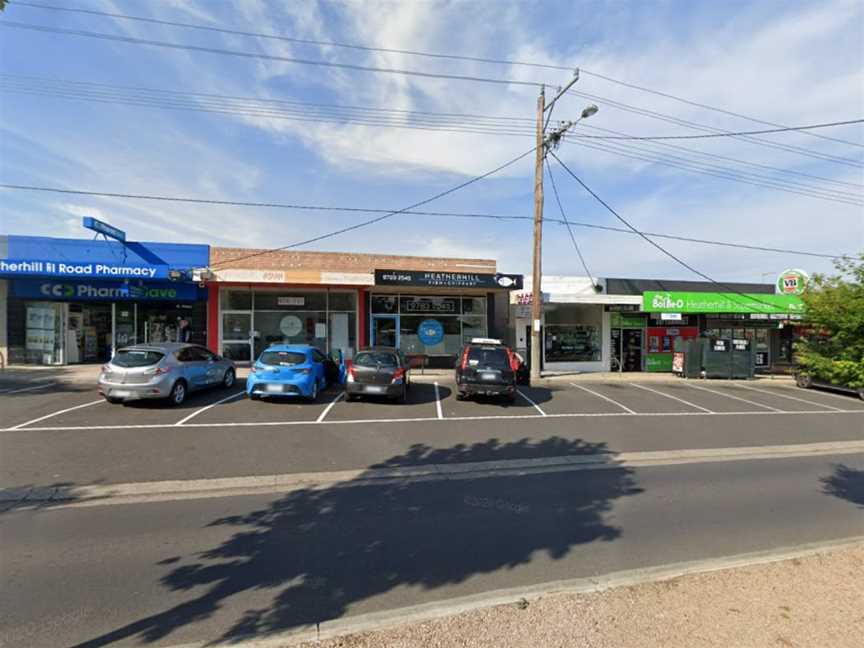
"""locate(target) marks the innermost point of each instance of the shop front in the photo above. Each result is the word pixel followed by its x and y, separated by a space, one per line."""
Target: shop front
pixel 76 301
pixel 432 315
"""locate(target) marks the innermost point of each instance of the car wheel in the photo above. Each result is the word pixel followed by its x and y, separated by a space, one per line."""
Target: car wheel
pixel 254 396
pixel 350 397
pixel 804 381
pixel 460 396
pixel 178 393
pixel 113 401
pixel 404 395
pixel 228 380
pixel 314 395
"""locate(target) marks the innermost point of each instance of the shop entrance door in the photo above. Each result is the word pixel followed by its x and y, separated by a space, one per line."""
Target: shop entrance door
pixel 385 331
pixel 237 336
pixel 631 350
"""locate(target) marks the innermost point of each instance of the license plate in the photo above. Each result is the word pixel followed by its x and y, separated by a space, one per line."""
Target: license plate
pixel 273 388
pixel 119 393
pixel 488 376
pixel 373 389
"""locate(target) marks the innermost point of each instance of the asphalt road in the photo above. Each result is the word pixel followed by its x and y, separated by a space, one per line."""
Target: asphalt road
pixel 227 567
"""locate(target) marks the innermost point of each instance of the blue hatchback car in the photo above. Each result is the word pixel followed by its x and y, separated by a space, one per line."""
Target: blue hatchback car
pixel 291 370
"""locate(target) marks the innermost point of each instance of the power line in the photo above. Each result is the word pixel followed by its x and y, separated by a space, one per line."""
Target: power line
pixel 785 129
pixel 378 219
pixel 654 243
pixel 365 210
pixel 267 57
pixel 328 113
pixel 433 55
pixel 567 223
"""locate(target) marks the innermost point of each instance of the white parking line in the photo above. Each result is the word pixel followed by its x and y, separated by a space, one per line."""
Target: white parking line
pixel 24 389
pixel 738 398
pixel 207 407
pixel 606 398
pixel 795 398
pixel 57 413
pixel 438 402
pixel 536 406
pixel 680 400
pixel 822 392
pixel 329 407
pixel 426 419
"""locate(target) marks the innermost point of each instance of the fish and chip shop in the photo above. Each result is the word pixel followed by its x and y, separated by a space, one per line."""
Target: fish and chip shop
pixel 68 301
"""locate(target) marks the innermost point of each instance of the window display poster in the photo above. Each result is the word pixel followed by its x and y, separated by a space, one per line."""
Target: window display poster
pixel 660 344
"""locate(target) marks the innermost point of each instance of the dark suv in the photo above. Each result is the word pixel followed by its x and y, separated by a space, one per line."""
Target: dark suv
pixel 489 368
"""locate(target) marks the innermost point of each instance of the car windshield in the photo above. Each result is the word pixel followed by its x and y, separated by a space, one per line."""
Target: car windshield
pixel 129 358
pixel 282 358
pixel 488 357
pixel 370 359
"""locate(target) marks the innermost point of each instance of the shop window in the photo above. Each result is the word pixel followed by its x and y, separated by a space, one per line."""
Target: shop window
pixel 342 329
pixel 236 326
pixel 474 305
pixel 473 326
pixel 302 327
pixel 409 336
pixel 573 333
pixel 384 304
pixel 293 301
pixel 237 300
pixel 434 305
pixel 339 301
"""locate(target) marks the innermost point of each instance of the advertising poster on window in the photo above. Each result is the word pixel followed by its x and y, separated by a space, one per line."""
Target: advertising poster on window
pixel 660 344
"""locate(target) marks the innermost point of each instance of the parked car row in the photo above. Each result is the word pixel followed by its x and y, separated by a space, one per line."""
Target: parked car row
pixel 171 371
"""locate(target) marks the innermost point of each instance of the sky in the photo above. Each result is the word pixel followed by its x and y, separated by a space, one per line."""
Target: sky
pixel 791 63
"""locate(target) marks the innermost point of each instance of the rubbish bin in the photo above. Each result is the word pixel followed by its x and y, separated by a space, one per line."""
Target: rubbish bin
pixel 730 358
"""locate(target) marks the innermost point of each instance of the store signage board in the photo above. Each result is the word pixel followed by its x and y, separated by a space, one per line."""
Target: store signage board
pixel 672 317
pixel 421 278
pixel 709 302
pixel 104 291
pixel 83 269
pixel 792 282
pixel 104 228
pixel 290 301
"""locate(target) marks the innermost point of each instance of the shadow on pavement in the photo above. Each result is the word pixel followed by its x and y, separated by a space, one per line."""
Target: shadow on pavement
pixel 418 394
pixel 321 551
pixel 846 483
pixel 33 496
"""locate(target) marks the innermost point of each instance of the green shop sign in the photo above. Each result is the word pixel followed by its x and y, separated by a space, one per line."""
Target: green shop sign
pixel 654 301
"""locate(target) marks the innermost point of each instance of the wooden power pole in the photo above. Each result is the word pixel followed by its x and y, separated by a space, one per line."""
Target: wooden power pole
pixel 536 292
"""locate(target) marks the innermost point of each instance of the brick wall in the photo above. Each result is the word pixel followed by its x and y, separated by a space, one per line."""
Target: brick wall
pixel 343 261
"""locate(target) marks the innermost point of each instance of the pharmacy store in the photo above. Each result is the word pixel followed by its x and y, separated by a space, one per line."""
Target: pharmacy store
pixel 68 301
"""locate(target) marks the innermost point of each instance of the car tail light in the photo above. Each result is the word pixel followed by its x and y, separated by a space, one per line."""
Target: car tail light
pixel 106 368
pixel 514 361
pixel 398 375
pixel 305 371
pixel 158 371
pixel 351 374
pixel 464 362
pixel 253 370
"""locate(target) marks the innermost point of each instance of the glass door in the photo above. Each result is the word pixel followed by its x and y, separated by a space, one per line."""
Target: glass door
pixel 237 336
pixel 125 325
pixel 385 331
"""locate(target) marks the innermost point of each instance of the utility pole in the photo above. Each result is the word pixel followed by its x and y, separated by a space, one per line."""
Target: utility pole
pixel 537 272
pixel 536 294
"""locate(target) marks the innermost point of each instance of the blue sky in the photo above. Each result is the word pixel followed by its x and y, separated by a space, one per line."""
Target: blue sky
pixel 785 62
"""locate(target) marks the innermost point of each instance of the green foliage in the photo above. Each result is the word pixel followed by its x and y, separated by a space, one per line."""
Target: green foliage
pixel 2 5
pixel 834 349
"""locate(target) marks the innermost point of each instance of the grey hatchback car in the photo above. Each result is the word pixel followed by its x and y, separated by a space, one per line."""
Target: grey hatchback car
pixel 170 370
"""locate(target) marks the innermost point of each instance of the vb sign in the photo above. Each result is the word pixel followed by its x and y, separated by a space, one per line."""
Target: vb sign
pixel 103 228
pixel 792 282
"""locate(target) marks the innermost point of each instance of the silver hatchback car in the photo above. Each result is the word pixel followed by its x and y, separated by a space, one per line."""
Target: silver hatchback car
pixel 163 371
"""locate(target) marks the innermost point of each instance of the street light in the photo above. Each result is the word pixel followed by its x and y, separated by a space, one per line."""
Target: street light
pixel 589 110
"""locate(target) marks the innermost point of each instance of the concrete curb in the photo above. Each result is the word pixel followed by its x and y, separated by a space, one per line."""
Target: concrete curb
pixel 586 585
pixel 173 490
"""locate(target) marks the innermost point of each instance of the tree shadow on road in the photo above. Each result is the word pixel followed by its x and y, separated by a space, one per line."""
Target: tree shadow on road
pixel 324 550
pixel 846 483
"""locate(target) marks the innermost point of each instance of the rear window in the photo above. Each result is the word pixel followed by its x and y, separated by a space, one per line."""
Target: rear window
pixel 492 357
pixel 282 358
pixel 136 358
pixel 374 359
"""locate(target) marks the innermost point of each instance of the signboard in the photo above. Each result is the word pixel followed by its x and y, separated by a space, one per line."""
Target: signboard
pixel 678 362
pixel 624 320
pixel 430 332
pixel 654 301
pixel 792 282
pixel 85 269
pixel 103 228
pixel 105 290
pixel 447 279
pixel 290 325
pixel 622 308
pixel 720 345
pixel 761 358
pixel 672 317
pixel 290 301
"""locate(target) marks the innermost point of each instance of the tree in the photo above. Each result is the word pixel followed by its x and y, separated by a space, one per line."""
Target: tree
pixel 833 349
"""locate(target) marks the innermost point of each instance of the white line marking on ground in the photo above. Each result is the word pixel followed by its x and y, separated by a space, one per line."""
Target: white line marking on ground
pixel 823 392
pixel 438 402
pixel 424 419
pixel 25 389
pixel 57 413
pixel 536 406
pixel 98 494
pixel 795 398
pixel 207 407
pixel 606 398
pixel 743 400
pixel 329 407
pixel 680 400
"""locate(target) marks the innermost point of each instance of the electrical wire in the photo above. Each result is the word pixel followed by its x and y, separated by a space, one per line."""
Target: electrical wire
pixel 433 55
pixel 785 129
pixel 681 262
pixel 448 122
pixel 366 210
pixel 267 57
pixel 567 223
pixel 378 219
